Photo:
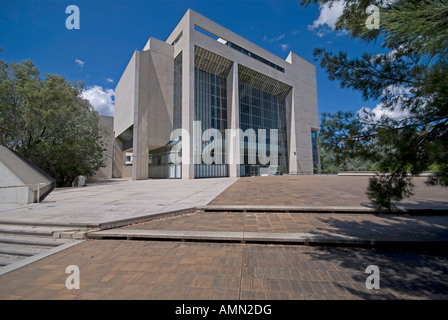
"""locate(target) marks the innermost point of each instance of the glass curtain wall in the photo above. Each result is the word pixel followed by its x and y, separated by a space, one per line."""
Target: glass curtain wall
pixel 315 150
pixel 210 106
pixel 177 96
pixel 263 106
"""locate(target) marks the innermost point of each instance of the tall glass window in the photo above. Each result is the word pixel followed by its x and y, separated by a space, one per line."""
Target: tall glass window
pixel 177 97
pixel 210 100
pixel 210 108
pixel 263 110
pixel 315 149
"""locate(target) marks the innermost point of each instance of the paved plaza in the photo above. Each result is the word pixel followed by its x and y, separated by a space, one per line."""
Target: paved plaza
pixel 204 264
pixel 119 269
pixel 322 191
pixel 385 227
pixel 117 201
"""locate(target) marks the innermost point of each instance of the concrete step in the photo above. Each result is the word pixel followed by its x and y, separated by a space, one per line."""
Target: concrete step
pixel 20 249
pixel 244 237
pixel 6 259
pixel 11 262
pixel 24 242
pixel 31 240
pixel 30 230
pixel 322 239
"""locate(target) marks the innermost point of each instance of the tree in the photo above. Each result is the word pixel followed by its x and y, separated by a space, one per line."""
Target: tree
pixel 48 122
pixel 410 79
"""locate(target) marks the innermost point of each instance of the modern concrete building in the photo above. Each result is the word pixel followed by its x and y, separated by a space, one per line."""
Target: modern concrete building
pixel 207 77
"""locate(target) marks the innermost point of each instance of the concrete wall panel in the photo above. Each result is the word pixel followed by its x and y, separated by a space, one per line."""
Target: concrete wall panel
pixel 125 98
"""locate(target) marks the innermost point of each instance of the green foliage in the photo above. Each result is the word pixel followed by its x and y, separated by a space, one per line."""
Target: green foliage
pixel 420 26
pixel 48 122
pixel 415 25
pixel 383 190
pixel 331 165
pixel 411 82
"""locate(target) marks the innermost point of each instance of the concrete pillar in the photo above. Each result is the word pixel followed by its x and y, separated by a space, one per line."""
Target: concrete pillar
pixel 187 112
pixel 304 112
pixel 233 112
pixel 141 123
pixel 291 133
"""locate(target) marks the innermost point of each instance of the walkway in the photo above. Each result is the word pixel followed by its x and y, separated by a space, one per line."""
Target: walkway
pixel 210 269
pixel 117 269
pixel 117 202
pixel 299 228
pixel 322 191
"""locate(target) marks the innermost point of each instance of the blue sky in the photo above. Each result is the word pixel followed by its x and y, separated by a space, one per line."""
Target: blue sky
pixel 111 30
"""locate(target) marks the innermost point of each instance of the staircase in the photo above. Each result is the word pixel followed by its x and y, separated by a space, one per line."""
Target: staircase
pixel 20 241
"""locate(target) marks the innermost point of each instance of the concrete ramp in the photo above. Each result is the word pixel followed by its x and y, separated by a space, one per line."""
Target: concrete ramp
pixel 21 182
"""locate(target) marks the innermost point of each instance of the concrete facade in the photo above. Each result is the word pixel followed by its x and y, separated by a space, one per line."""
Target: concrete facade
pixel 144 105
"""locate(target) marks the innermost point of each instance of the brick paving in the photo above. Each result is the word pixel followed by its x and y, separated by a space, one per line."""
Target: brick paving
pixel 125 269
pixel 383 227
pixel 113 269
pixel 322 190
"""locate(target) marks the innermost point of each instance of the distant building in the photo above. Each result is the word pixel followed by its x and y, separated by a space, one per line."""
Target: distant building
pixel 207 77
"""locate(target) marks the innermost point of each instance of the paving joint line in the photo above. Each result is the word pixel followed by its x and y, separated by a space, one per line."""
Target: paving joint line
pixel 318 209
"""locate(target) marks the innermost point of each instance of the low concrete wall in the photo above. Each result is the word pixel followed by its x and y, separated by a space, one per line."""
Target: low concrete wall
pixel 21 181
pixel 374 173
pixel 10 193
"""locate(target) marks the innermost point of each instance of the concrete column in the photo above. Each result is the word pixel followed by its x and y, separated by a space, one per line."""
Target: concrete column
pixel 304 112
pixel 291 133
pixel 233 112
pixel 187 112
pixel 141 123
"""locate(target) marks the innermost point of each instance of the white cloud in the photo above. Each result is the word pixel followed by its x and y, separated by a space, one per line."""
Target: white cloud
pixel 380 111
pixel 110 80
pixel 400 95
pixel 277 38
pixel 101 99
pixel 280 36
pixel 329 14
pixel 394 108
pixel 284 46
pixel 80 63
pixel 328 17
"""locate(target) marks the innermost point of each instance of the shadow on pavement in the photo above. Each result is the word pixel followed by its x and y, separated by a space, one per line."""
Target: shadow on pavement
pixel 387 227
pixel 404 274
